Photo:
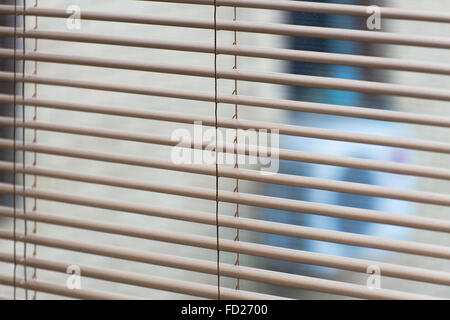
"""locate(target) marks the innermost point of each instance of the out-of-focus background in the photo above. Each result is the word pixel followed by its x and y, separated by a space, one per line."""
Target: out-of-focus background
pixel 206 109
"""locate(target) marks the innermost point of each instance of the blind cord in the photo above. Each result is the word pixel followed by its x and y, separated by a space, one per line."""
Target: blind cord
pixel 236 166
pixel 25 222
pixel 34 186
pixel 14 155
pixel 216 153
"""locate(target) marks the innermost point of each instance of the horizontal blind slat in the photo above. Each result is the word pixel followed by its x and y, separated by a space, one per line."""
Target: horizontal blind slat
pixel 404 246
pixel 242 100
pixel 60 290
pixel 236 197
pixel 309 283
pixel 190 118
pixel 307 132
pixel 258 201
pixel 141 280
pixel 351 264
pixel 244 26
pixel 327 8
pixel 268 53
pixel 365 164
pixel 316 7
pixel 244 174
pixel 361 86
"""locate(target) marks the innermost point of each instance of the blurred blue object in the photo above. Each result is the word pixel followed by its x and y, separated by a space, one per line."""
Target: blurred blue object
pixel 339 149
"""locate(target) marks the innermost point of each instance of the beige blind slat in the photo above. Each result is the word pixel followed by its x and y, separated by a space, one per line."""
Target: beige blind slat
pixel 253 27
pixel 302 282
pixel 367 164
pixel 254 225
pixel 268 202
pixel 269 53
pixel 252 175
pixel 188 118
pixel 357 265
pixel 274 78
pixel 92 180
pixel 59 290
pixel 183 287
pixel 350 213
pixel 414 144
pixel 320 7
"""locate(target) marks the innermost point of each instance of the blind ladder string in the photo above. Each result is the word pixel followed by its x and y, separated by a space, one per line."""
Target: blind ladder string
pixel 14 155
pixel 34 185
pixel 236 142
pixel 216 150
pixel 24 199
